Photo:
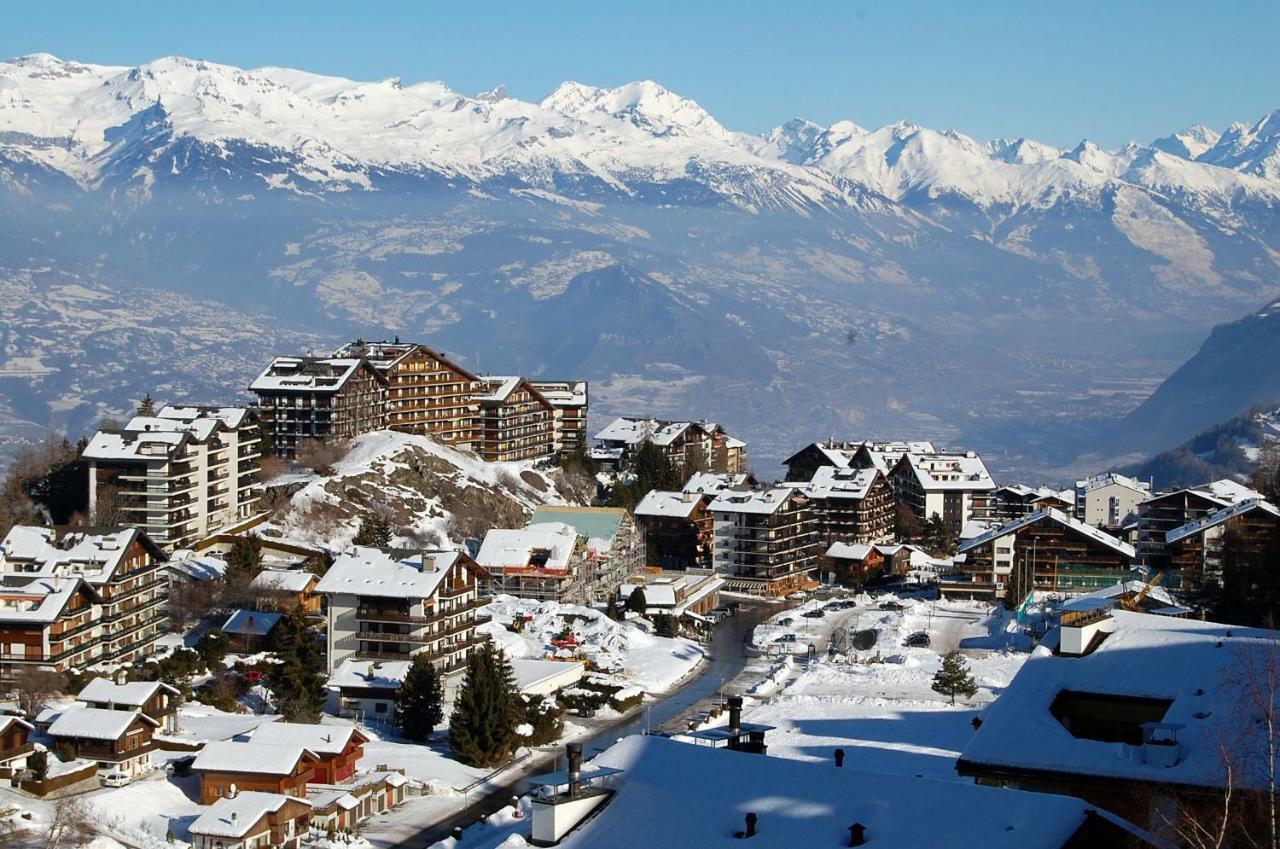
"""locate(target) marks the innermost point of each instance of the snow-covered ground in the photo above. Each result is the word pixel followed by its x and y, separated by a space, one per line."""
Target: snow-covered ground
pixel 629 650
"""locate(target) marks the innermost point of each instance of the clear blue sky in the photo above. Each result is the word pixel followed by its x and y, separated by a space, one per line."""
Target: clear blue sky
pixel 1109 71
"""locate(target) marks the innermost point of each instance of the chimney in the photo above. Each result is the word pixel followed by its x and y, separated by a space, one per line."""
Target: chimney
pixel 752 819
pixel 735 714
pixel 857 834
pixel 574 751
pixel 839 757
pixel 234 816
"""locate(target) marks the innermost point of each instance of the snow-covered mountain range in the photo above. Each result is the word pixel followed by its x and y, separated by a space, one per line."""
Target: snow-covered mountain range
pixel 625 235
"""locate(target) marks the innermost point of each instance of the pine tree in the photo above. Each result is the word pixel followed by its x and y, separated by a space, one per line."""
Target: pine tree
pixel 488 708
pixel 636 602
pixel 147 407
pixel 653 470
pixel 375 531
pixel 666 625
pixel 953 679
pixel 937 536
pixel 244 562
pixel 297 682
pixel 420 704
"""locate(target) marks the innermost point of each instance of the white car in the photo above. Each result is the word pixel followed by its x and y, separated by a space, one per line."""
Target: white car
pixel 115 779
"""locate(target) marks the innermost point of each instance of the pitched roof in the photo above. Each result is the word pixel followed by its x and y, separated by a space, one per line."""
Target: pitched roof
pixel 263 758
pixel 37 600
pixel 598 524
pixel 764 502
pixel 132 693
pixel 388 574
pixel 1218 517
pixel 283 580
pixel 505 548
pixel 713 482
pixel 321 739
pixel 635 431
pixel 672 504
pixel 96 723
pixel 370 674
pixel 251 623
pixel 307 374
pixel 233 817
pixel 832 482
pixel 1053 515
pixel 948 470
pixel 92 555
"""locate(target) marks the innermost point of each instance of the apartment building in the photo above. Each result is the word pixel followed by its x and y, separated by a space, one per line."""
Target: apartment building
pixel 409 387
pixel 180 475
pixel 851 505
pixel 1193 553
pixel 1053 551
pixel 954 485
pixel 678 529
pixel 765 542
pixel 1109 500
pixel 395 605
pixel 70 598
pixel 862 454
pixel 319 398
pixel 686 444
pixel 1161 513
pixel 1014 501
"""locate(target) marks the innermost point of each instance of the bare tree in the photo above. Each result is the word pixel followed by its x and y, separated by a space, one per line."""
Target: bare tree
pixel 190 601
pixel 36 685
pixel 72 825
pixel 320 455
pixel 108 509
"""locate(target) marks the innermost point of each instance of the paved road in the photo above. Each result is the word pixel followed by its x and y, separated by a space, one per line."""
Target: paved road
pixel 728 657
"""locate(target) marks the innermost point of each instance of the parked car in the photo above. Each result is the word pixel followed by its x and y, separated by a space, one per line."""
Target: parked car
pixel 115 779
pixel 890 605
pixel 585 712
pixel 797 596
pixel 816 613
pixel 918 640
pixel 785 621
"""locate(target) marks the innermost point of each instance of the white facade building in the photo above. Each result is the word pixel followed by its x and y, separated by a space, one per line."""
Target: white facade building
pixel 180 475
pixel 1108 499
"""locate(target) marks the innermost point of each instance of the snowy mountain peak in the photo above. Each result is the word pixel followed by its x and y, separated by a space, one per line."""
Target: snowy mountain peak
pixel 1189 143
pixel 645 104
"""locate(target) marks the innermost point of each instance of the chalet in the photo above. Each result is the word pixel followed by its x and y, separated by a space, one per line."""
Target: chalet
pixel 344 806
pixel 854 564
pixel 228 767
pixel 851 505
pixel 650 781
pixel 393 605
pixel 324 399
pixel 368 690
pixel 179 475
pixel 688 445
pixel 1109 500
pixel 1129 711
pixel 881 456
pixel 288 589
pixel 1165 511
pixel 153 698
pixel 15 745
pixel 118 740
pixel 696 591
pixel 70 597
pixel 252 819
pixel 1050 551
pixel 249 631
pixel 1197 559
pixel 677 528
pixel 338 748
pixel 545 560
pixel 765 542
pixel 953 485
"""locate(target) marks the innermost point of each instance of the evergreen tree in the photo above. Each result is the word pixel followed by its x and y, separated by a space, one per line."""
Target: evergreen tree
pixel 147 407
pixel 1017 587
pixel 666 625
pixel 937 537
pixel 953 679
pixel 297 682
pixel 636 602
pixel 653 470
pixel 244 562
pixel 482 728
pixel 623 496
pixel 420 703
pixel 375 531
pixel 695 460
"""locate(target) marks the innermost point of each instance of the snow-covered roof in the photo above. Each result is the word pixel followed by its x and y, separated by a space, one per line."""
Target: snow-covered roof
pixel 198 567
pixel 800 803
pixel 763 502
pixel 92 556
pixel 1218 517
pixel 1198 667
pixel 949 470
pixel 849 551
pixel 232 417
pixel 233 817
pixel 261 758
pixel 9 719
pixel 627 431
pixel 35 600
pixel 251 623
pixel 95 723
pixel 1158 598
pixel 530 672
pixel 499 389
pixel 1054 515
pixel 713 482
pixel 321 739
pixel 163 435
pixel 126 445
pixel 678 505
pixel 833 482
pixel 563 393
pixel 1093 482
pixel 306 374
pixel 283 580
pixel 131 693
pixel 388 574
pixel 370 674
pixel 505 548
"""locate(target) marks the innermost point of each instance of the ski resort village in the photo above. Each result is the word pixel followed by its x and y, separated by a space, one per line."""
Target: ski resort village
pixel 389 601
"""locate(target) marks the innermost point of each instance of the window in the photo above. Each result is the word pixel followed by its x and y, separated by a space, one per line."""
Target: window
pixel 380 707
